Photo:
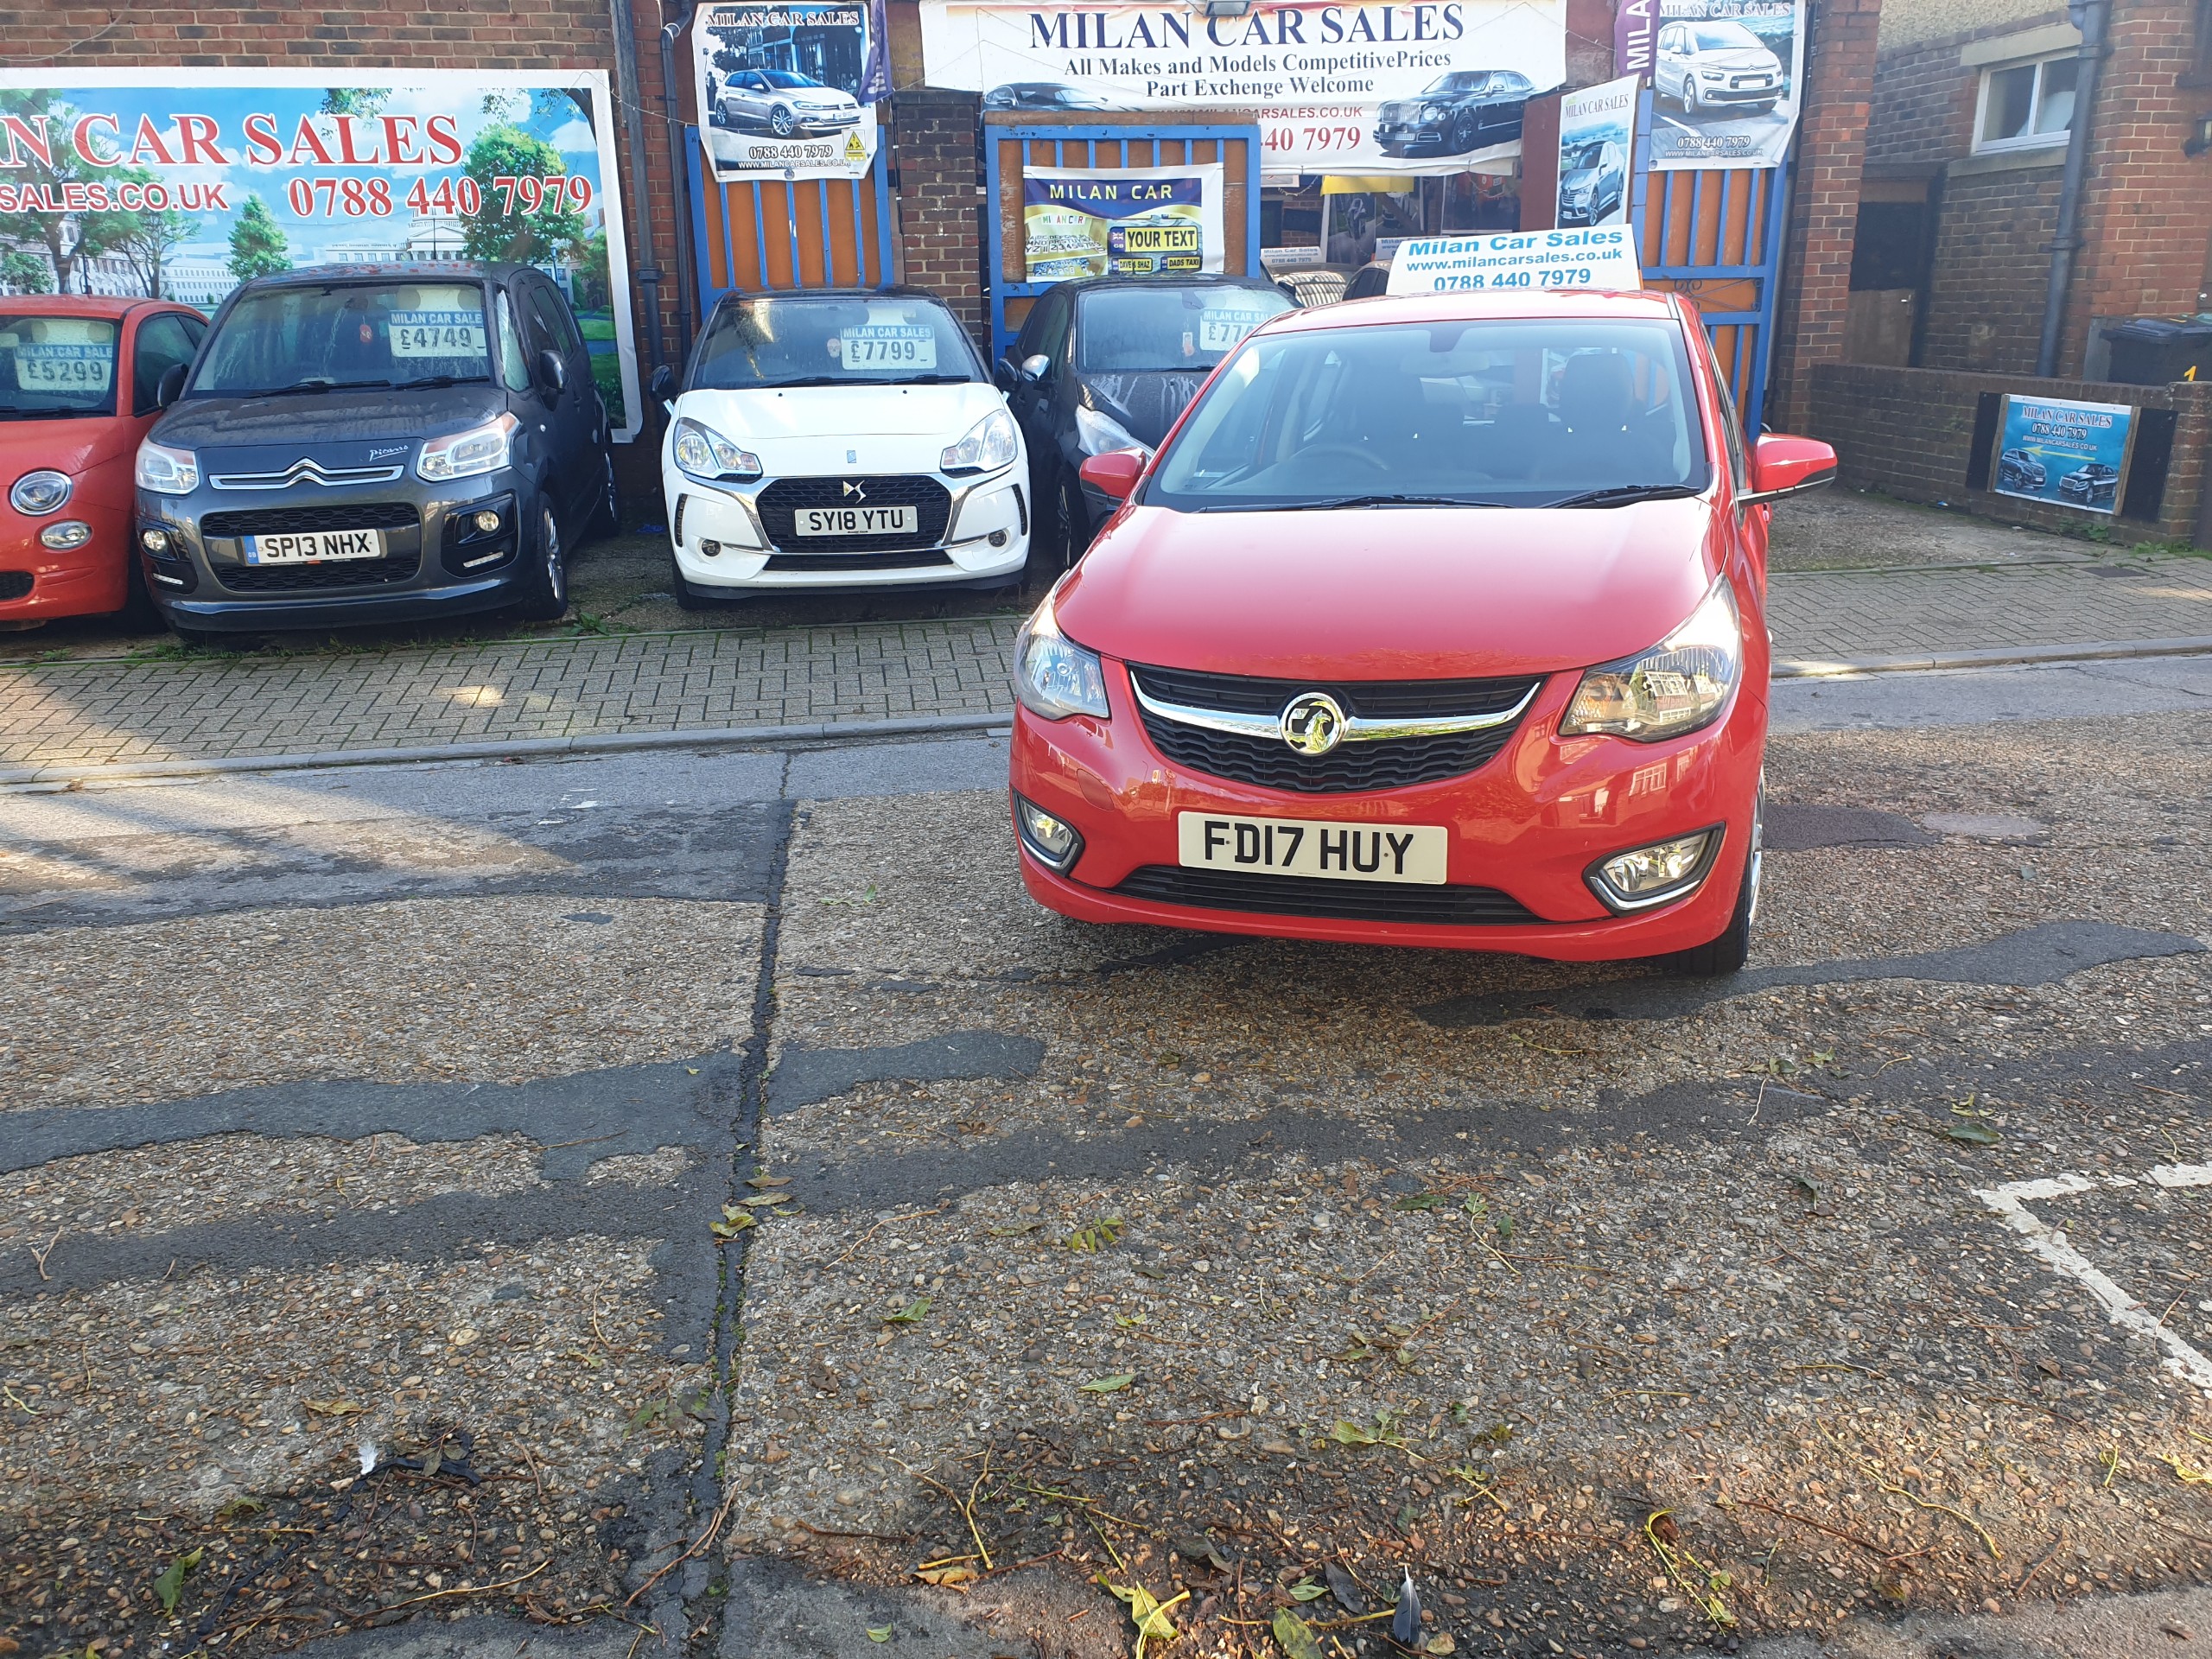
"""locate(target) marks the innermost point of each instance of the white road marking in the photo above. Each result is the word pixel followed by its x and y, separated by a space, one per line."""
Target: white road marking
pixel 2011 1202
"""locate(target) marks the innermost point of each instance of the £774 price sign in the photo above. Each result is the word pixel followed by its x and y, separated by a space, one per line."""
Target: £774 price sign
pixel 460 196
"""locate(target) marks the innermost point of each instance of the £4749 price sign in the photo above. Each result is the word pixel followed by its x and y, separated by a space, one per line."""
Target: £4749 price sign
pixel 457 196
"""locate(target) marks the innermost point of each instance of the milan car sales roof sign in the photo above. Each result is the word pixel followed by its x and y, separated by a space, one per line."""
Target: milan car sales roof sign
pixel 1426 86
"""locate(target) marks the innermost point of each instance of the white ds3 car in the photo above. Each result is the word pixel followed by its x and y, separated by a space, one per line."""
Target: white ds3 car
pixel 840 439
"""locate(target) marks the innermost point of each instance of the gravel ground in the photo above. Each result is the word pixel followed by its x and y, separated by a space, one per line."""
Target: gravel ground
pixel 1839 528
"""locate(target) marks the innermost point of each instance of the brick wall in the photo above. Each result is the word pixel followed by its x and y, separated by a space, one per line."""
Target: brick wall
pixel 1909 433
pixel 1824 202
pixel 60 39
pixel 940 201
pixel 1992 261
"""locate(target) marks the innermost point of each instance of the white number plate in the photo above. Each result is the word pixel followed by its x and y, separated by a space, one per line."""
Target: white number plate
pixel 1337 852
pixel 858 521
pixel 305 546
pixel 889 346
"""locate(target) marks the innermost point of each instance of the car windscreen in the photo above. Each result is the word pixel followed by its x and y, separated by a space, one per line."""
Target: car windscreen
pixel 1519 412
pixel 833 340
pixel 786 77
pixel 57 367
pixel 1584 157
pixel 1725 37
pixel 1458 81
pixel 1167 327
pixel 347 334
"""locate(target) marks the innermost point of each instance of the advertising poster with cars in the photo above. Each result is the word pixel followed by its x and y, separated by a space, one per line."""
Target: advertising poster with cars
pixel 2052 449
pixel 1428 87
pixel 1594 259
pixel 789 91
pixel 1725 78
pixel 1156 222
pixel 137 182
pixel 1596 136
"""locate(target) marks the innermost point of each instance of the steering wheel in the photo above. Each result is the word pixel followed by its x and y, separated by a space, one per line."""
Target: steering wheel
pixel 1351 450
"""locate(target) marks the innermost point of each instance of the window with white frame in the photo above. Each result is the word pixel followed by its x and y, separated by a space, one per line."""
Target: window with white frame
pixel 2025 105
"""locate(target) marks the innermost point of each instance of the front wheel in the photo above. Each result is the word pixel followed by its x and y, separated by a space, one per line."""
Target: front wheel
pixel 780 121
pixel 546 585
pixel 1718 958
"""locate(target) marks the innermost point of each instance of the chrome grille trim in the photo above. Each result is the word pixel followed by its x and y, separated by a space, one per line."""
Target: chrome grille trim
pixel 1356 729
pixel 306 472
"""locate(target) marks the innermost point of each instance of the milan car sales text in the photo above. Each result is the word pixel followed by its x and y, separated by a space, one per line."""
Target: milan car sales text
pixel 1063 31
pixel 198 141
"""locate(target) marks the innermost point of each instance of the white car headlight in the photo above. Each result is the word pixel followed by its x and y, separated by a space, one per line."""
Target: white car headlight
pixel 165 471
pixel 1053 677
pixel 1679 685
pixel 38 493
pixel 704 454
pixel 468 454
pixel 1100 434
pixel 991 443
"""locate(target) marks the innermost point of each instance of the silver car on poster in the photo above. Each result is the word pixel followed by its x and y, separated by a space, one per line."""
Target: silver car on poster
pixel 784 103
pixel 1709 65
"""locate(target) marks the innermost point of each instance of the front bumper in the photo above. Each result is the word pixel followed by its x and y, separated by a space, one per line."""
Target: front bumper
pixel 1529 824
pixel 1414 140
pixel 986 540
pixel 1719 91
pixel 40 584
pixel 440 566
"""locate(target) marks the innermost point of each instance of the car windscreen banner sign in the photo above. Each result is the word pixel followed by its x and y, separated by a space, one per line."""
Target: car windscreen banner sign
pixel 182 185
pixel 1423 87
pixel 1726 79
pixel 1148 221
pixel 2053 449
pixel 1596 137
pixel 789 92
pixel 1516 261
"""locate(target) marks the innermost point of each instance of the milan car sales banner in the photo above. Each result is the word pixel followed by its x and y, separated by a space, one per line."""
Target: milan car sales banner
pixel 789 91
pixel 182 185
pixel 1429 86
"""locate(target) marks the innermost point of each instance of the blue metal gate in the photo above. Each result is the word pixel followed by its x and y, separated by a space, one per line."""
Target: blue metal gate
pixel 1715 237
pixel 1009 151
pixel 765 234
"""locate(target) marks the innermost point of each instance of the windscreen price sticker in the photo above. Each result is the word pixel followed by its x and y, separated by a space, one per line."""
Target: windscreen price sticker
pixel 1218 331
pixel 1517 261
pixel 437 334
pixel 888 345
pixel 64 366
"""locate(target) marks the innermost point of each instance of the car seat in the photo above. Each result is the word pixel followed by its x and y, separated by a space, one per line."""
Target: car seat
pixel 1604 439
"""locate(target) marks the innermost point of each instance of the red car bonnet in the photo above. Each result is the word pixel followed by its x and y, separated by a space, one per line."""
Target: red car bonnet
pixel 68 446
pixel 1391 593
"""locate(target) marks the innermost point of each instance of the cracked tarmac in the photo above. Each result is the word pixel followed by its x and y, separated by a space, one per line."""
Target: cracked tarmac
pixel 1462 1264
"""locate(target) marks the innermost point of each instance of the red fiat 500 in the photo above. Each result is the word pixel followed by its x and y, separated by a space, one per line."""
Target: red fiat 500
pixel 79 376
pixel 1437 621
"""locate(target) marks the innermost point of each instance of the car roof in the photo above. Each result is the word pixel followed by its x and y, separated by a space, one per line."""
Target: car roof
pixel 79 305
pixel 896 291
pixel 1193 279
pixel 450 269
pixel 1623 304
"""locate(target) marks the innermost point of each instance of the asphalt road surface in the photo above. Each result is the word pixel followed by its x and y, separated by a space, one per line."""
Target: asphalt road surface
pixel 670 1202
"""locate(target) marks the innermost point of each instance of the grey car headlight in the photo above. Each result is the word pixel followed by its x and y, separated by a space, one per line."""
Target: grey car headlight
pixel 164 471
pixel 468 454
pixel 702 453
pixel 1679 685
pixel 1053 677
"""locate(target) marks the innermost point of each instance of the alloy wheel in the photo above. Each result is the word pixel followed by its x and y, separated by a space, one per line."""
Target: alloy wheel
pixel 557 566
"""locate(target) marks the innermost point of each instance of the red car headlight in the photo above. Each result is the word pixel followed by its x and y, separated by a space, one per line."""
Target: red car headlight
pixel 1679 685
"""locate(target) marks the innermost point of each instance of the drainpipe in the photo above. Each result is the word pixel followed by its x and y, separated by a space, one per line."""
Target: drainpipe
pixel 629 113
pixel 2090 16
pixel 672 28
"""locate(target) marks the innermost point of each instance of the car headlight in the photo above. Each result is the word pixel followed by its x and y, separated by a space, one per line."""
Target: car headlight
pixel 991 443
pixel 1100 434
pixel 1712 75
pixel 1656 875
pixel 38 493
pixel 1430 117
pixel 704 454
pixel 468 454
pixel 165 471
pixel 1679 685
pixel 1053 677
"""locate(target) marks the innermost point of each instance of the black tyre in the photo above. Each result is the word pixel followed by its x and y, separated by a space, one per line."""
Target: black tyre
pixel 137 615
pixel 1058 534
pixel 687 598
pixel 1463 136
pixel 1718 958
pixel 546 582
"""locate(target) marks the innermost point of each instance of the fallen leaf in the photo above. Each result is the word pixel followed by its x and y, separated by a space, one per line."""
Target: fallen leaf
pixel 1297 1641
pixel 1346 1434
pixel 1441 1643
pixel 1968 1132
pixel 1422 1201
pixel 761 1199
pixel 879 1632
pixel 734 1222
pixel 1096 1237
pixel 335 1408
pixel 948 1577
pixel 1146 1613
pixel 1344 1588
pixel 910 1314
pixel 169 1585
pixel 768 1180
pixel 1306 1590
pixel 1109 1384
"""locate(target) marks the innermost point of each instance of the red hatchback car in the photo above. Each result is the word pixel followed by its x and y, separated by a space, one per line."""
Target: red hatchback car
pixel 1437 621
pixel 78 378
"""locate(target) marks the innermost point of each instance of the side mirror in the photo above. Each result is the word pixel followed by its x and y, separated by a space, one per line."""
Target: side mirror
pixel 662 387
pixel 1037 367
pixel 1783 466
pixel 1004 375
pixel 1116 472
pixel 552 373
pixel 171 385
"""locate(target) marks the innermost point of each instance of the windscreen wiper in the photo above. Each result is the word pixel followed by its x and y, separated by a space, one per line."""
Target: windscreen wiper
pixel 927 380
pixel 1621 494
pixel 439 380
pixel 320 385
pixel 8 414
pixel 811 380
pixel 1330 503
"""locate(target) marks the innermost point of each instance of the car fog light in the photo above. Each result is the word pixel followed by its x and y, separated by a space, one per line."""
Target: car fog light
pixel 70 532
pixel 154 541
pixel 488 521
pixel 998 538
pixel 1655 874
pixel 1051 842
pixel 710 549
